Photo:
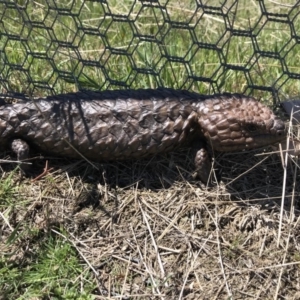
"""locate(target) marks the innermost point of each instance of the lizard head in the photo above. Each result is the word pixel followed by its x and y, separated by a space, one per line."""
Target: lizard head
pixel 233 123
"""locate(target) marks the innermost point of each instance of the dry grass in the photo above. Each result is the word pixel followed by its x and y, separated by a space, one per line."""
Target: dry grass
pixel 148 234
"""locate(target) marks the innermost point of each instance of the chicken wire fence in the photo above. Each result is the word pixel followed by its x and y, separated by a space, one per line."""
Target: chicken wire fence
pixel 49 47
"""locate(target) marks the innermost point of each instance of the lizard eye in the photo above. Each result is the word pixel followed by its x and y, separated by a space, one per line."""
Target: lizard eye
pixel 251 127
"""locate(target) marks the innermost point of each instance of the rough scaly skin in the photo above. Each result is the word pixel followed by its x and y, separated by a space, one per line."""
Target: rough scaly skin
pixel 126 124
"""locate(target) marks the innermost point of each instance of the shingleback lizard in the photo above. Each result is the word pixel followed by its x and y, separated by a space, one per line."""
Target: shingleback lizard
pixel 126 124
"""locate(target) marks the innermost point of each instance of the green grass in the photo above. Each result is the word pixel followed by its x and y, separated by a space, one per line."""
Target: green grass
pixel 54 58
pixel 36 263
pixel 48 60
pixel 51 271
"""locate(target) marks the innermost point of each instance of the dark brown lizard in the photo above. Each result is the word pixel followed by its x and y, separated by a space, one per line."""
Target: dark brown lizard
pixel 126 124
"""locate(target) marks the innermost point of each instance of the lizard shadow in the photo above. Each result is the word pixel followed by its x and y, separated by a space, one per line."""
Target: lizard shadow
pixel 251 178
pixel 256 178
pixel 151 173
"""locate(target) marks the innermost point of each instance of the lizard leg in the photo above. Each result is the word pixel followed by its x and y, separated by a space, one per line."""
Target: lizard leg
pixel 203 165
pixel 21 149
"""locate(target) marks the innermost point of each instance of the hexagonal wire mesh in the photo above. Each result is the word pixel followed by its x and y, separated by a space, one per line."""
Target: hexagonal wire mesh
pixel 50 47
